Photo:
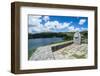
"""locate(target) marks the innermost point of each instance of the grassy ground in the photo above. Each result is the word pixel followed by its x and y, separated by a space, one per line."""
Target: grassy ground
pixel 60 43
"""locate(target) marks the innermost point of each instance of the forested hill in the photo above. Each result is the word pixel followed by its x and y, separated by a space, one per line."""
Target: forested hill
pixel 46 35
pixel 68 35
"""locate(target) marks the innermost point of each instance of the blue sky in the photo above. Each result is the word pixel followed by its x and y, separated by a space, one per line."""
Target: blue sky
pixel 41 23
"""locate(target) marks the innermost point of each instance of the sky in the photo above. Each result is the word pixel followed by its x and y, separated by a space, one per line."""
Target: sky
pixel 39 23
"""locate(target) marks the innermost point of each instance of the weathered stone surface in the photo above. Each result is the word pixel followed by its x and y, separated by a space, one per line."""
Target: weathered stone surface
pixel 43 53
pixel 77 38
pixel 72 52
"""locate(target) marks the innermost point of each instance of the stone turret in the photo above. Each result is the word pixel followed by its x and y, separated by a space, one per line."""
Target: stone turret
pixel 77 38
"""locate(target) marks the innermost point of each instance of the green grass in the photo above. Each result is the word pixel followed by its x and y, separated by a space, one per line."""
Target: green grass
pixel 30 52
pixel 79 56
pixel 57 42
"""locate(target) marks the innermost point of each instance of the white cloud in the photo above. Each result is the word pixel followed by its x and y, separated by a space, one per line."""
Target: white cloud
pixel 46 18
pixel 73 29
pixel 37 29
pixel 56 25
pixel 36 26
pixel 49 25
pixel 32 30
pixel 83 29
pixel 65 24
pixel 34 20
pixel 82 21
pixel 77 29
